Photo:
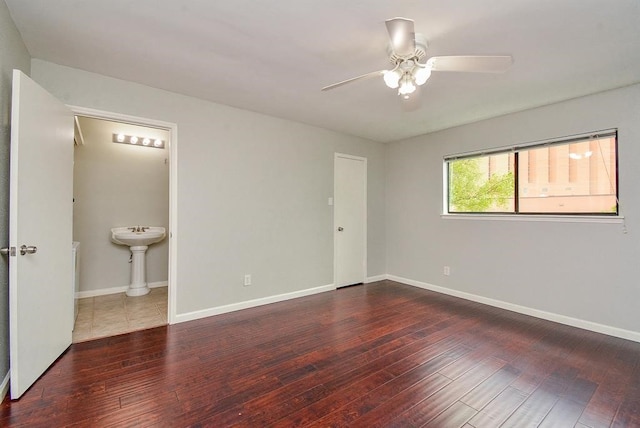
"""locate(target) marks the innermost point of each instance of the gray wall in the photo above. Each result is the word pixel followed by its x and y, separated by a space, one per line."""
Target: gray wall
pixel 252 190
pixel 13 54
pixel 118 185
pixel 587 271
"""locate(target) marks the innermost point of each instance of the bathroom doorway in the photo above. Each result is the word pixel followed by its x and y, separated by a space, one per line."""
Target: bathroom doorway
pixel 119 184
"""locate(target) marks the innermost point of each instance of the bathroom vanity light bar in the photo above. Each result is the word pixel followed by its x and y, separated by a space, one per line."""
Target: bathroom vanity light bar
pixel 138 141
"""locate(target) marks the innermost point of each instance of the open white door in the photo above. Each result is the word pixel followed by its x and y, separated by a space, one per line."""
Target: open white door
pixel 40 232
pixel 350 219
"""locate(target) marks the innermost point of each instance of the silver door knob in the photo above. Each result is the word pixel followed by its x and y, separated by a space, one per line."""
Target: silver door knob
pixel 340 229
pixel 31 249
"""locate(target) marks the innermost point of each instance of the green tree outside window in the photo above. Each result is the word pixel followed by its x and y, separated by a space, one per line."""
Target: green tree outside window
pixel 472 191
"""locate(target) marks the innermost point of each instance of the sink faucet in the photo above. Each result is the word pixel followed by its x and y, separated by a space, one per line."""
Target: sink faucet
pixel 145 228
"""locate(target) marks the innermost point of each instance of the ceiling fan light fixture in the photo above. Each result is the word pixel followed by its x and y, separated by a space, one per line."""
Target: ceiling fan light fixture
pixel 392 78
pixel 407 86
pixel 421 74
pixel 407 49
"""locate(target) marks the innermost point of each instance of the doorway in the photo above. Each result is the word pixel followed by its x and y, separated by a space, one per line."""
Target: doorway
pixel 350 219
pixel 40 229
pixel 121 185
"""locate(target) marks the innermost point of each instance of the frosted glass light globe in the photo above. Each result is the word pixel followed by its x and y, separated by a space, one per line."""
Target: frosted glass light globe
pixel 407 87
pixel 421 75
pixel 392 79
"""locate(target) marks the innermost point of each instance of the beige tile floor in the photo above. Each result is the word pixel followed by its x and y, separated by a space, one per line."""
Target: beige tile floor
pixel 113 314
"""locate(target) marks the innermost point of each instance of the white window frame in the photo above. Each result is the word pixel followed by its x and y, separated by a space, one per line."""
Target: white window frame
pixel 614 218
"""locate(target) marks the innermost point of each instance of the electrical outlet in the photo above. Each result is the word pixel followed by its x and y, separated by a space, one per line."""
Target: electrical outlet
pixel 247 280
pixel 447 271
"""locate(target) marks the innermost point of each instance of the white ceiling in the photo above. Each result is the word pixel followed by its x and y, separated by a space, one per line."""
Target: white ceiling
pixel 273 56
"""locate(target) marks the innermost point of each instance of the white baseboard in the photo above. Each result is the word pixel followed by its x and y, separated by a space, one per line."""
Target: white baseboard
pixel 190 316
pixel 550 316
pixel 4 386
pixel 376 278
pixel 114 290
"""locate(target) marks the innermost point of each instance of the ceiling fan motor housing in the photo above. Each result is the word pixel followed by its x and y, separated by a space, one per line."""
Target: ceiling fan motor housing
pixel 419 53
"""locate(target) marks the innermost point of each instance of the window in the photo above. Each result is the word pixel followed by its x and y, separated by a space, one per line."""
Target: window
pixel 577 175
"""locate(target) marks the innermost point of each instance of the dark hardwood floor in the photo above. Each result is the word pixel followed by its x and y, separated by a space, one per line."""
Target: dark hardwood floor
pixel 383 354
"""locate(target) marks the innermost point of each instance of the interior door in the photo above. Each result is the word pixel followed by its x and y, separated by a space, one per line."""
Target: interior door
pixel 350 219
pixel 40 232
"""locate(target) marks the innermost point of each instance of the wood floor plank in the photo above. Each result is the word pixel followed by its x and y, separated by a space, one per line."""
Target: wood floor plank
pixel 536 407
pixel 271 408
pixel 499 409
pixel 466 363
pixel 608 358
pixel 455 416
pixel 376 355
pixel 482 394
pixel 424 411
pixel 385 414
pixel 565 413
pixel 628 414
pixel 360 406
pixel 569 408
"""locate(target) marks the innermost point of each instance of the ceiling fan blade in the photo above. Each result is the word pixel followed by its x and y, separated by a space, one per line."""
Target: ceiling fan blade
pixel 477 64
pixel 353 79
pixel 402 35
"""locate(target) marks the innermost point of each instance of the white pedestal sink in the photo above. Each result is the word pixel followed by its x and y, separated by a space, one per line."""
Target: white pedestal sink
pixel 138 239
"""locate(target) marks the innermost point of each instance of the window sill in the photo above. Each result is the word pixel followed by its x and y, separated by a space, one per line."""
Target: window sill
pixel 542 217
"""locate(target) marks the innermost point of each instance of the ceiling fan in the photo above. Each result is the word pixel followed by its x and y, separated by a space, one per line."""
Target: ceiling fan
pixel 406 52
